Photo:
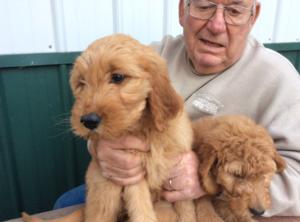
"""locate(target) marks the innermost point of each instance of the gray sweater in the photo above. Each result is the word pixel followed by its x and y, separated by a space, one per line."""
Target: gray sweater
pixel 262 85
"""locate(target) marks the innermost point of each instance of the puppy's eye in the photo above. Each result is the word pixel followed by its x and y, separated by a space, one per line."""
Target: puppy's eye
pixel 239 176
pixel 117 78
pixel 81 83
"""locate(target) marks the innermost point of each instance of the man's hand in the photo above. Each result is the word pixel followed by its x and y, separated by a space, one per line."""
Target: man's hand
pixel 125 168
pixel 183 182
pixel 117 163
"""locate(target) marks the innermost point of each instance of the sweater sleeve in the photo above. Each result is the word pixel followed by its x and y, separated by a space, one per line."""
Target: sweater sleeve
pixel 285 187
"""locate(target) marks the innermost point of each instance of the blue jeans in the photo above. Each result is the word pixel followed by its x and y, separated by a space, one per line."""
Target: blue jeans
pixel 71 197
pixel 77 196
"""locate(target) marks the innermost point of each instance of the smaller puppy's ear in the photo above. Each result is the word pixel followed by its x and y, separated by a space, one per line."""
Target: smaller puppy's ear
pixel 207 162
pixel 163 102
pixel 280 163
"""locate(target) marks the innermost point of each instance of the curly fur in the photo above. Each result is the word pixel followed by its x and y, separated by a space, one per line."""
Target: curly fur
pixel 144 105
pixel 237 161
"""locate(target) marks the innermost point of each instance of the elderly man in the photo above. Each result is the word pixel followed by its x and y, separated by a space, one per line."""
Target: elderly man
pixel 219 69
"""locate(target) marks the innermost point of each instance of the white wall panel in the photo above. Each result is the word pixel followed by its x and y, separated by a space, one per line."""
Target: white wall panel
pixel 26 26
pixel 6 43
pixel 171 18
pixel 141 19
pixel 287 28
pixel 264 27
pixel 29 26
pixel 85 21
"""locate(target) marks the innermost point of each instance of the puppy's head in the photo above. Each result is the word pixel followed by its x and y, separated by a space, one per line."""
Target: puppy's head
pixel 120 85
pixel 237 161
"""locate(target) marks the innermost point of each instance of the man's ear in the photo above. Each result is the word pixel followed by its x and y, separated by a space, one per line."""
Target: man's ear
pixel 256 13
pixel 181 10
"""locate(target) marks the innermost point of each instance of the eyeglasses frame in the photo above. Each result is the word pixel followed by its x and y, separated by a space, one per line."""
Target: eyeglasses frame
pixel 251 9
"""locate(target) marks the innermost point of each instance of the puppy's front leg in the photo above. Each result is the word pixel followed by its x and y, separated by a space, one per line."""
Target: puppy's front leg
pixel 223 210
pixel 165 212
pixel 103 201
pixel 138 203
pixel 185 211
pixel 205 210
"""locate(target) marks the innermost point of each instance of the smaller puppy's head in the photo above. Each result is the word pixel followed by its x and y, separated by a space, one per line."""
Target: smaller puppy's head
pixel 120 85
pixel 237 161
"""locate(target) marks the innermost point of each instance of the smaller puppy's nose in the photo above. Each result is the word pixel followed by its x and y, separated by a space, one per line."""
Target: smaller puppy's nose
pixel 91 120
pixel 257 212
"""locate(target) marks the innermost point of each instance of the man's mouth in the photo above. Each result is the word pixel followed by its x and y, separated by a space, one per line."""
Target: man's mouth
pixel 212 44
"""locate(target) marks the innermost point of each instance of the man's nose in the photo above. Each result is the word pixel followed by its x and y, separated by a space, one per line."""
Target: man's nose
pixel 217 23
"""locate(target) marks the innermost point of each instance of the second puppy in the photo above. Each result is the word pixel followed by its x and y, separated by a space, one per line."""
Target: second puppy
pixel 237 162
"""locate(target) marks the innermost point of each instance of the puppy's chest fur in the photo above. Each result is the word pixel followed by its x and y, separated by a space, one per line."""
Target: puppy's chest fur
pixel 164 147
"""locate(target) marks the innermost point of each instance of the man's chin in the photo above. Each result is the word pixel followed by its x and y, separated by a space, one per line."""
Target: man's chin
pixel 210 59
pixel 209 63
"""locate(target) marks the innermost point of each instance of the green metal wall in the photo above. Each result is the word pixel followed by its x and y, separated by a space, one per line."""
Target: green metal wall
pixel 39 156
pixel 289 50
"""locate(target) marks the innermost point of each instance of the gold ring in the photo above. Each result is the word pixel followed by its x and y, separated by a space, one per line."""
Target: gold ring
pixel 170 184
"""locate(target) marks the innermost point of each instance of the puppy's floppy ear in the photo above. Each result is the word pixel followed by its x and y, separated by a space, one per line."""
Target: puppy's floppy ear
pixel 280 163
pixel 163 102
pixel 207 162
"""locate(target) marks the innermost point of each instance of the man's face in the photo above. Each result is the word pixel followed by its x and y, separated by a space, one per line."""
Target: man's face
pixel 212 45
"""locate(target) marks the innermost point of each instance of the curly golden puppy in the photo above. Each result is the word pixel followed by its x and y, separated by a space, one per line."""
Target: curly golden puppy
pixel 237 162
pixel 121 87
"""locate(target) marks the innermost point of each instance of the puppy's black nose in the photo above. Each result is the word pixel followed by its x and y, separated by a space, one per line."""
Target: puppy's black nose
pixel 91 120
pixel 257 212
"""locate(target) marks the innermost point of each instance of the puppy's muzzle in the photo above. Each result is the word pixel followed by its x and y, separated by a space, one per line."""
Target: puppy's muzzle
pixel 91 120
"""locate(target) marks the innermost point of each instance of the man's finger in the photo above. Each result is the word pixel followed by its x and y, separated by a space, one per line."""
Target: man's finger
pixel 121 173
pixel 127 181
pixel 119 159
pixel 133 143
pixel 172 196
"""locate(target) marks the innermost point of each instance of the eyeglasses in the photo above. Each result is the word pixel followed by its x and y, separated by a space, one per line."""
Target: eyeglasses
pixel 233 14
